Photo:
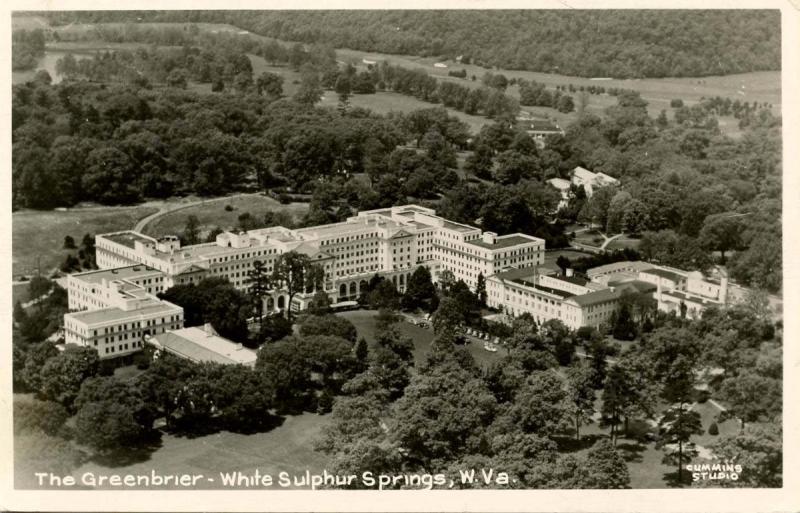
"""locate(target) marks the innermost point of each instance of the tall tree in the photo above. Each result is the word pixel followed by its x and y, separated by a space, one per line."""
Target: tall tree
pixel 295 273
pixel 580 390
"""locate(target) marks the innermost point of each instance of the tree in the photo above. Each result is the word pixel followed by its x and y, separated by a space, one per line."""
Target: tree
pixel 751 397
pixel 448 317
pixel 442 415
pixel 480 162
pixel 320 303
pixel 722 232
pixel 69 242
pixel 541 405
pixel 420 291
pixel 178 78
pixel 45 416
pixel 309 91
pixel 37 355
pixel 270 84
pixel 678 422
pixel 617 395
pixel 215 301
pixel 191 232
pixel 294 273
pixel 343 88
pixel 759 450
pixel 62 375
pixel 608 468
pixel 328 325
pixel 675 429
pixel 274 328
pixel 480 289
pixel 258 281
pixel 580 390
pixel 563 263
pixel 39 286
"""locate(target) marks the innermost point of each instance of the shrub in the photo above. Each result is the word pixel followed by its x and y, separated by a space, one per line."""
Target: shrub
pixel 713 429
pixel 228 208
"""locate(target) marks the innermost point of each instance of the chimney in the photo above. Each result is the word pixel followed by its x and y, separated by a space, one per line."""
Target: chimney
pixel 570 272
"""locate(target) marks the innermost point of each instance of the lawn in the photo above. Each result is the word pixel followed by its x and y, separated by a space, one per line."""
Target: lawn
pixel 550 257
pixel 364 320
pixel 213 214
pixel 623 243
pixel 38 236
pixel 286 448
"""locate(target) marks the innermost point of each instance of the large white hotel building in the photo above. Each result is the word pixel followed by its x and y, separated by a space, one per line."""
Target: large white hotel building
pixel 115 308
pixel 391 242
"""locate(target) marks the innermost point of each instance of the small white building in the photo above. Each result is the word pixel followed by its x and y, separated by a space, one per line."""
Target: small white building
pixel 591 181
pixel 203 344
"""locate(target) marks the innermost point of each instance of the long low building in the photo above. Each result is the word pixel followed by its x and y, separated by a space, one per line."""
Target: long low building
pixel 203 344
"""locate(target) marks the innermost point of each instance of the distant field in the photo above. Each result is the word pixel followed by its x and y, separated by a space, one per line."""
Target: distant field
pixel 623 243
pixel 214 214
pixel 286 448
pixel 40 234
pixel 756 86
pixel 382 103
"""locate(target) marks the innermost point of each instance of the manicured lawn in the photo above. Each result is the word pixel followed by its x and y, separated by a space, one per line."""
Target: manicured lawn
pixel 364 320
pixel 40 234
pixel 623 243
pixel 214 214
pixel 286 448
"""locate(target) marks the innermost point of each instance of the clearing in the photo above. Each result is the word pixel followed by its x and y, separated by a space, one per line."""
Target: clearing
pixel 38 236
pixel 212 213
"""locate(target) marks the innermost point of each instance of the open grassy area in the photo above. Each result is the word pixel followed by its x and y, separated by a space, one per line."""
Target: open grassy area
pixel 364 321
pixel 39 235
pixel 622 243
pixel 286 448
pixel 213 214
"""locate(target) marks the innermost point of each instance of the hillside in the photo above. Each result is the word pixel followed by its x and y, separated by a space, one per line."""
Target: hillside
pixel 620 44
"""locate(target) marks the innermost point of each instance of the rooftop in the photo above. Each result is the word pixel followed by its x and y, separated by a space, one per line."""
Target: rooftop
pixel 505 241
pixel 670 275
pixel 450 225
pixel 201 344
pixel 577 280
pixel 559 183
pixel 636 265
pixel 636 286
pixel 127 238
pixel 119 273
pixel 104 315
pixel 598 296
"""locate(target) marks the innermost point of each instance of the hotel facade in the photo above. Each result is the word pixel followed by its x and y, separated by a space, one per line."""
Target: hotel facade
pixel 390 242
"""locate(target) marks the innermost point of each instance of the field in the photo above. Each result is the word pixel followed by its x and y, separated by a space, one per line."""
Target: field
pixel 364 320
pixel 286 448
pixel 38 236
pixel 212 214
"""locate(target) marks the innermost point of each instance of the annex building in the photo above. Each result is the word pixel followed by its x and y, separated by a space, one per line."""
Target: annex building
pixel 116 310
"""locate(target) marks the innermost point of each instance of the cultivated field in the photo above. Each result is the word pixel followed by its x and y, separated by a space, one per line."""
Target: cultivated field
pixel 213 213
pixel 38 236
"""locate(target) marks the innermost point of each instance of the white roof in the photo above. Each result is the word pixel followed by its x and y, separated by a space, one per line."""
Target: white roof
pixel 203 344
pixel 559 183
pixel 583 174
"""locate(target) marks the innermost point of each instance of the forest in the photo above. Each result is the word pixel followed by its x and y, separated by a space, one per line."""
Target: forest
pixel 582 43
